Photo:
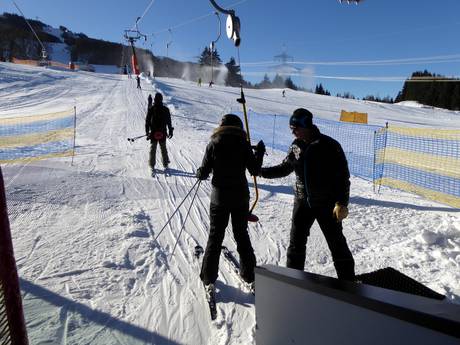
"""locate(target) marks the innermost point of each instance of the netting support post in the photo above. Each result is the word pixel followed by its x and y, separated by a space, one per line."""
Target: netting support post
pixel 74 131
pixel 375 161
pixel 383 160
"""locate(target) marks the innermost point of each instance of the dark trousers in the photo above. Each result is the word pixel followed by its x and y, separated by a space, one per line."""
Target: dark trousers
pixel 153 152
pixel 302 219
pixel 220 211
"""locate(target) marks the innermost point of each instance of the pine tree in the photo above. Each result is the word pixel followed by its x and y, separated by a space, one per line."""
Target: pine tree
pixel 320 90
pixel 265 83
pixel 205 57
pixel 278 81
pixel 455 100
pixel 233 75
pixel 290 84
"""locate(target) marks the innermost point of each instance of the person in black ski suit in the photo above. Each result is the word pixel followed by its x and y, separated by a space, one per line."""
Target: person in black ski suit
pixel 227 156
pixel 157 127
pixel 149 102
pixel 322 191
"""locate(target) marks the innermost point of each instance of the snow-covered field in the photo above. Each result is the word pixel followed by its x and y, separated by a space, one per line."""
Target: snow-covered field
pixel 84 234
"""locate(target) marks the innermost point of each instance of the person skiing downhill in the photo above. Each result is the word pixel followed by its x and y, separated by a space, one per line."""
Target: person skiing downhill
pixel 322 190
pixel 158 127
pixel 227 156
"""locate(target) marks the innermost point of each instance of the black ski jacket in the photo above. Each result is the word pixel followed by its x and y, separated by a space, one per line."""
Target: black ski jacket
pixel 158 118
pixel 322 176
pixel 227 156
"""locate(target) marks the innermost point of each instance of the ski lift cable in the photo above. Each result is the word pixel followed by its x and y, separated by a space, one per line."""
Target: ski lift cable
pixel 220 25
pixel 193 20
pixel 213 46
pixel 30 26
pixel 143 14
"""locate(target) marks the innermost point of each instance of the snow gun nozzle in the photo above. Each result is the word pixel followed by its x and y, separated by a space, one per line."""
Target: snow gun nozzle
pixel 252 218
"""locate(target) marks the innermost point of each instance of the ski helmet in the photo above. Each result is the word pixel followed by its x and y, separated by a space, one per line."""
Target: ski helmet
pixel 231 120
pixel 301 117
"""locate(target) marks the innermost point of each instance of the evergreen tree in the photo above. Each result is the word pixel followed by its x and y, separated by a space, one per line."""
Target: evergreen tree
pixel 265 83
pixel 207 57
pixel 455 102
pixel 278 81
pixel 435 90
pixel 320 90
pixel 233 75
pixel 290 84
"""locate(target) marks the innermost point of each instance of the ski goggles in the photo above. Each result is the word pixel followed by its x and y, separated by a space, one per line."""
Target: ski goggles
pixel 303 122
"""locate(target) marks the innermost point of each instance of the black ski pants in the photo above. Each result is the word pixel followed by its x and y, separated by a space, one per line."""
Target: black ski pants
pixel 153 152
pixel 223 205
pixel 303 217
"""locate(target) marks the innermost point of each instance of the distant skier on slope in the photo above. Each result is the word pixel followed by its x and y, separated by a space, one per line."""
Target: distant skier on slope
pixel 138 79
pixel 157 127
pixel 322 190
pixel 227 156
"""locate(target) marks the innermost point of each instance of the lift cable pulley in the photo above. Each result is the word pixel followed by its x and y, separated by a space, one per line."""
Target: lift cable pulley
pixel 232 24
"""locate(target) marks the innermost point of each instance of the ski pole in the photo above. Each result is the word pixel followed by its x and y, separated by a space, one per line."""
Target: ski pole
pixel 186 216
pixel 251 217
pixel 177 209
pixel 131 140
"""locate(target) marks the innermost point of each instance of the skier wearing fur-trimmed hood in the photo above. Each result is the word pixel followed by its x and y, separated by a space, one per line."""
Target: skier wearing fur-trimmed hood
pixel 227 156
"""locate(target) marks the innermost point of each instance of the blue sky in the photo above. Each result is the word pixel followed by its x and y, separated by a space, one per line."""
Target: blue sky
pixel 331 43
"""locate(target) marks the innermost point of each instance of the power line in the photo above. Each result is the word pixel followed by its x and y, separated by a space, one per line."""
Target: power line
pixel 405 61
pixel 361 78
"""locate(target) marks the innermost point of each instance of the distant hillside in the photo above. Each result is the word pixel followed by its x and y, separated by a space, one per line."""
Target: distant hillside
pixel 431 89
pixel 18 41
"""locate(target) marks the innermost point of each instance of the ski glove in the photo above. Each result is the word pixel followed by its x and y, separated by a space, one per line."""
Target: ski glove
pixel 147 136
pixel 260 148
pixel 200 174
pixel 340 212
pixel 171 130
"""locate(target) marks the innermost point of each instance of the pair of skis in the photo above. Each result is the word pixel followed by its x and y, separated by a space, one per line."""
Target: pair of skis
pixel 210 294
pixel 155 172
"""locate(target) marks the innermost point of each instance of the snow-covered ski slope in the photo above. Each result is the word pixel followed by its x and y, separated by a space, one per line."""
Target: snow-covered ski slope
pixel 84 234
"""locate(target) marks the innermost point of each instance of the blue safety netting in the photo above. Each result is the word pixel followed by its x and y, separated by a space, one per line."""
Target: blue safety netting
pixel 357 140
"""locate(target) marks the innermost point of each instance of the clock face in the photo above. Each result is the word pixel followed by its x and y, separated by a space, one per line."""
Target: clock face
pixel 229 26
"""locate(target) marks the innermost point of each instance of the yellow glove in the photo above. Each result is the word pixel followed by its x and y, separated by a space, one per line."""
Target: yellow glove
pixel 340 212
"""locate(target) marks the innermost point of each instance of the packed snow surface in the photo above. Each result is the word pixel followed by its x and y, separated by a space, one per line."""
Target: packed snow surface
pixel 94 268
